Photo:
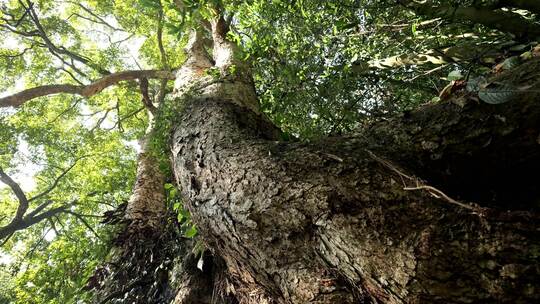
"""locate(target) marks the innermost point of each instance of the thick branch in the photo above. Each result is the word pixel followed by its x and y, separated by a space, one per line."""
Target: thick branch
pixel 21 220
pixel 28 221
pixel 504 21
pixel 39 208
pixel 530 5
pixel 143 86
pixel 20 98
pixel 476 151
pixel 33 218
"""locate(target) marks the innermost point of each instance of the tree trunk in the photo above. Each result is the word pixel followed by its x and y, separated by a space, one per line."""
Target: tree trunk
pixel 346 220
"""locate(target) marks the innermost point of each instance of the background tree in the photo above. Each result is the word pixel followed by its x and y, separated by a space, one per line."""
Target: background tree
pixel 319 69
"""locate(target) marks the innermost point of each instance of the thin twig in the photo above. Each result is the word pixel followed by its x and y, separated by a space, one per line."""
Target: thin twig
pixel 439 194
pixel 85 223
pixel 421 185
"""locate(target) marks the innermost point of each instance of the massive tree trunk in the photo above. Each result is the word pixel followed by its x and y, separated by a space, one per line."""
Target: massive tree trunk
pixel 377 216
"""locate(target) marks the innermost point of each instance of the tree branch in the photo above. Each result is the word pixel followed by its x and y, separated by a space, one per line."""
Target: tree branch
pixel 99 18
pixel 20 220
pixel 32 218
pixel 23 200
pixel 163 54
pixel 501 20
pixel 27 221
pixel 80 217
pixel 20 98
pixel 59 50
pixel 120 119
pixel 530 5
pixel 143 86
pixel 39 208
pixel 55 183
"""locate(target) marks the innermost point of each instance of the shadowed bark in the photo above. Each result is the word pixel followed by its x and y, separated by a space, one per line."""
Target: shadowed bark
pixel 531 5
pixel 475 151
pixel 433 206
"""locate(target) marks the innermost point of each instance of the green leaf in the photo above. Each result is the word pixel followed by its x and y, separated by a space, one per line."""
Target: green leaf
pixel 454 75
pixel 501 94
pixel 511 62
pixel 191 232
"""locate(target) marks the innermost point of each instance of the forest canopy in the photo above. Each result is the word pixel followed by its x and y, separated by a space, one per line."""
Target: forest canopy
pixel 320 68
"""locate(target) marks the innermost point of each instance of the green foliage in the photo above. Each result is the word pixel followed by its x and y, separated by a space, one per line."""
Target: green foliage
pixel 454 75
pixel 11 63
pixel 68 266
pixel 51 261
pixel 187 227
pixel 497 95
pixel 315 61
pixel 160 137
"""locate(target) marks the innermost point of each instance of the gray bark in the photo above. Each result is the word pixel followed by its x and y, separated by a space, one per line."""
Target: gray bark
pixel 20 98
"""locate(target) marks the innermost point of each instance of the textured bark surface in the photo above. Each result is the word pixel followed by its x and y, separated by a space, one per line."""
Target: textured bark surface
pixel 502 20
pixel 330 222
pixel 145 246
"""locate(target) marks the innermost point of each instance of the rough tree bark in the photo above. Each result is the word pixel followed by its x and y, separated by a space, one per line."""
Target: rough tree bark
pixel 286 216
pixel 349 219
